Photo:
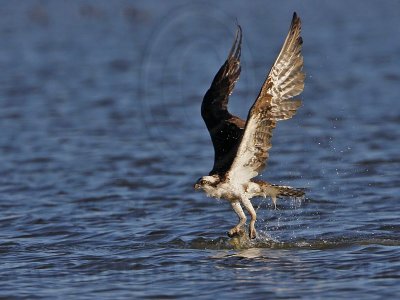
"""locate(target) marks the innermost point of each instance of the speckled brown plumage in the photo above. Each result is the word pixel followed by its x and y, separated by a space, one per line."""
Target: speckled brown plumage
pixel 285 80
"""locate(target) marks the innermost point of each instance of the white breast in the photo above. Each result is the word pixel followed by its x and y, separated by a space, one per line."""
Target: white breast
pixel 225 191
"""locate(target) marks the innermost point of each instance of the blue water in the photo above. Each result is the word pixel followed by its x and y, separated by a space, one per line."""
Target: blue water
pixel 101 140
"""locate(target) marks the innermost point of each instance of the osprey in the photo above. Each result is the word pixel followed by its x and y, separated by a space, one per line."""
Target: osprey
pixel 241 147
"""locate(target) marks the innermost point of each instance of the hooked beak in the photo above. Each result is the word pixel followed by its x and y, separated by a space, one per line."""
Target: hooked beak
pixel 197 186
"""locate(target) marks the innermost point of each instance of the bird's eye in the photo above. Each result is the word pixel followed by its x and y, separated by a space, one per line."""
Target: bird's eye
pixel 203 181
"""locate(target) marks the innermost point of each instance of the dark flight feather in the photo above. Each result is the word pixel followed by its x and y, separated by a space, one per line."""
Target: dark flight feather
pixel 225 129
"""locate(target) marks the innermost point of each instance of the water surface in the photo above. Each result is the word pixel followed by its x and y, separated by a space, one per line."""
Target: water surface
pixel 101 141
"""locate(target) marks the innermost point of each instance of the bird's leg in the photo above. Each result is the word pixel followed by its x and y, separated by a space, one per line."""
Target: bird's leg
pixel 249 207
pixel 242 219
pixel 273 198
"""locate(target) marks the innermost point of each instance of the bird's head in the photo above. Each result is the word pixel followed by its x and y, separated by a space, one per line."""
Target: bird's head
pixel 207 181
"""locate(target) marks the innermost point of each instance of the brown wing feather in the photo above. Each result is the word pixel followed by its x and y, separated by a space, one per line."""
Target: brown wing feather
pixel 225 129
pixel 273 104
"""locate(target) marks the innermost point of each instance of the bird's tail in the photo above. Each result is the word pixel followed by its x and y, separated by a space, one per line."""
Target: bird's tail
pixel 287 191
pixel 275 191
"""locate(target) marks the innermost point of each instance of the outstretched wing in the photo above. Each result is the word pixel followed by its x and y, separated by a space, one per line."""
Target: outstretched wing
pixel 225 129
pixel 273 104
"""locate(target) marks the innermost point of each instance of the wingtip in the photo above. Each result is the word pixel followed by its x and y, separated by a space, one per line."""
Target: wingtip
pixel 238 30
pixel 296 23
pixel 236 47
pixel 238 25
pixel 296 18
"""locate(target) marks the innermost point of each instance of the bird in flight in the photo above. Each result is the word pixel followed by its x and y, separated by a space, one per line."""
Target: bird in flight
pixel 241 147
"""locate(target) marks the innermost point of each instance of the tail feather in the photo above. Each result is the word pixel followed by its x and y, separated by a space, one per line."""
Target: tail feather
pixel 275 191
pixel 287 191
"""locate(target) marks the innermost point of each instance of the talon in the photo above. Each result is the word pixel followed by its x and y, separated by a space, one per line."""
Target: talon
pixel 252 233
pixel 234 232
